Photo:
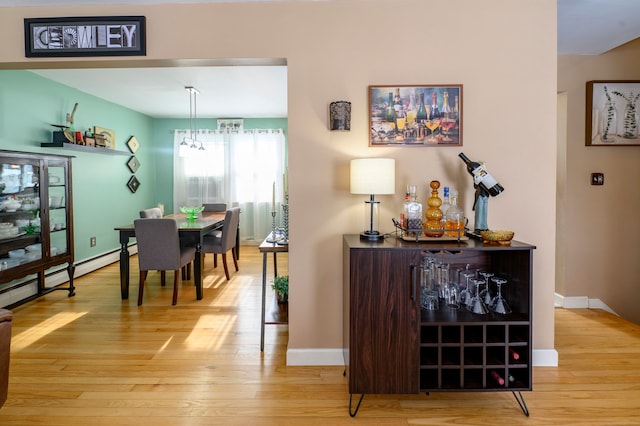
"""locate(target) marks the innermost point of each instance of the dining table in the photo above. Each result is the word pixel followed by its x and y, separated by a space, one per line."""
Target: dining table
pixel 190 232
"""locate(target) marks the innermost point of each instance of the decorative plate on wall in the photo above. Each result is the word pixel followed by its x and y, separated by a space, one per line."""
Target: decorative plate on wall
pixel 133 164
pixel 133 184
pixel 133 144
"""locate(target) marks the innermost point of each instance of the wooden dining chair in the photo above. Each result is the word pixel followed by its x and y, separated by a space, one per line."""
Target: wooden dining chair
pixel 159 249
pixel 225 241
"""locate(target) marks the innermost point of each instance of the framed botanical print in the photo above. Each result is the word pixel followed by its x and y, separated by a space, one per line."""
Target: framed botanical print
pixel 611 113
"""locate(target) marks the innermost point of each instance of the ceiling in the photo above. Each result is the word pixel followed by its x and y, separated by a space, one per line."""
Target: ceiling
pixel 585 27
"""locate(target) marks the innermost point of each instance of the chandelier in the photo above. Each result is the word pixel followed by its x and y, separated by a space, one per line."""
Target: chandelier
pixel 193 121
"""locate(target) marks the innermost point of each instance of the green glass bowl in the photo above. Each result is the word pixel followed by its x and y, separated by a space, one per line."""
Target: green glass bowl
pixel 191 212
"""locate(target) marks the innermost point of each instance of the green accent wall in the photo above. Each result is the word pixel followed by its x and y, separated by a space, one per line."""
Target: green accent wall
pixel 164 129
pixel 29 104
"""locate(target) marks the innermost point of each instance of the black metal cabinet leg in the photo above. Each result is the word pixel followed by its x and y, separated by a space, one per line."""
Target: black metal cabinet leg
pixel 523 405
pixel 353 414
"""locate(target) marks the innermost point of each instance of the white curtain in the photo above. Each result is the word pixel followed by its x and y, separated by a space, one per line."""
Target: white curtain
pixel 237 167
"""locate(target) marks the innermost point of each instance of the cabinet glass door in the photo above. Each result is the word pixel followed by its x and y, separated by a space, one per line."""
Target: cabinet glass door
pixel 20 237
pixel 57 210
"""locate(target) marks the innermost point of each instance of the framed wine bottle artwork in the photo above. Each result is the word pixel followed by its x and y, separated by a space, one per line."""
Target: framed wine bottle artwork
pixel 611 113
pixel 429 115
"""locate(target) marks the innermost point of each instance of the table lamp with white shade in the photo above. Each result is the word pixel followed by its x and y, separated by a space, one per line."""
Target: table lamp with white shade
pixel 373 176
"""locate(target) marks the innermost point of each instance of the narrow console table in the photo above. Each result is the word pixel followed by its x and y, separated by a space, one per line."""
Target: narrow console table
pixel 276 314
pixel 392 346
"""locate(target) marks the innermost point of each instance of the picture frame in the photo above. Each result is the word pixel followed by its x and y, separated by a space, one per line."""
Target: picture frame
pixel 85 36
pixel 108 136
pixel 133 164
pixel 233 124
pixel 133 184
pixel 611 115
pixel 133 144
pixel 396 116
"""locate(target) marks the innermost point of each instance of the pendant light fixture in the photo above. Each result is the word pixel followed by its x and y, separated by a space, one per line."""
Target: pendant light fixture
pixel 193 120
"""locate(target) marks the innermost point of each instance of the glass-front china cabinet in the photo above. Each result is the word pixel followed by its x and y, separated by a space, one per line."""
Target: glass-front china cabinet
pixel 36 224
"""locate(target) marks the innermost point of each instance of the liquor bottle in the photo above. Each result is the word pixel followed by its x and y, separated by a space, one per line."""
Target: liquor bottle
pixel 446 110
pixel 435 111
pixel 390 113
pixel 405 209
pixel 401 118
pixel 421 115
pixel 446 201
pixel 433 225
pixel 414 214
pixel 397 100
pixel 498 378
pixel 454 218
pixel 456 107
pixel 481 176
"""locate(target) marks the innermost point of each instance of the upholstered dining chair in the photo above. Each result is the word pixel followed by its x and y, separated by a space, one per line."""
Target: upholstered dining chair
pixel 156 213
pixel 159 249
pixel 224 241
pixel 153 213
pixel 215 207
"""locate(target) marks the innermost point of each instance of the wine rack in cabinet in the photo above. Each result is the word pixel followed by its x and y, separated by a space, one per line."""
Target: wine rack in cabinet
pixel 36 224
pixel 392 345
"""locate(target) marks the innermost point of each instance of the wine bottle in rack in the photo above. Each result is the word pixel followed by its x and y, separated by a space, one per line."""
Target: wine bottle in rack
pixel 497 377
pixel 514 355
pixel 481 176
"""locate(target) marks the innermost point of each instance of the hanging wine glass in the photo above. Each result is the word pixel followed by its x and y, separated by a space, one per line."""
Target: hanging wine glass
pixel 477 306
pixel 499 304
pixel 485 295
pixel 465 294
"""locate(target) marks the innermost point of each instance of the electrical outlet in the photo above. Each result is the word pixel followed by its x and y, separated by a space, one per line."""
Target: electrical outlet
pixel 92 242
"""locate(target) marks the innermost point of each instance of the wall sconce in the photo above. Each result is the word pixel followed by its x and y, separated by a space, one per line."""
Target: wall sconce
pixel 340 115
pixel 373 176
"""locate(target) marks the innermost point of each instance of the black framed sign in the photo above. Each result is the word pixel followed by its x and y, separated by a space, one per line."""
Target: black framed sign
pixel 85 36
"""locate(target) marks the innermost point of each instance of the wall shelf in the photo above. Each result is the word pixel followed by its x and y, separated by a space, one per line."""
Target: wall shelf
pixel 74 147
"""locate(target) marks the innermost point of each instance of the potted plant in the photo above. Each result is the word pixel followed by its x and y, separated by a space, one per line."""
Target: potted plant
pixel 281 287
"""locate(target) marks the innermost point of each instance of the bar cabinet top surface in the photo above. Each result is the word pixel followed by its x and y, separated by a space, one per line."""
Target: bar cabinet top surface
pixel 393 242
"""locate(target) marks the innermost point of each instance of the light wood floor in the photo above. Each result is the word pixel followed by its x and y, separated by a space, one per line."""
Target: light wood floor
pixel 97 360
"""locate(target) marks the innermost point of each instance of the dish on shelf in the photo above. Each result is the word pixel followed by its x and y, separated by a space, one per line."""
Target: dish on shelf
pixel 15 254
pixel 11 205
pixel 9 232
pixel 7 263
pixel 497 237
pixel 34 247
pixel 5 236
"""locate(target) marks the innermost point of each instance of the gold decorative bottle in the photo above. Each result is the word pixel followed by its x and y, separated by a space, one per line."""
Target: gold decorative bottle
pixel 433 224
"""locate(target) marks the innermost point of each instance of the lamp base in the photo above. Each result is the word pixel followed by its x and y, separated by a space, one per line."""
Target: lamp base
pixel 371 236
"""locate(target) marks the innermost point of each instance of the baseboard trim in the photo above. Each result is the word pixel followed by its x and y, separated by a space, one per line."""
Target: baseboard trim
pixel 314 357
pixel 87 266
pixel 333 357
pixel 581 302
pixel 544 358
